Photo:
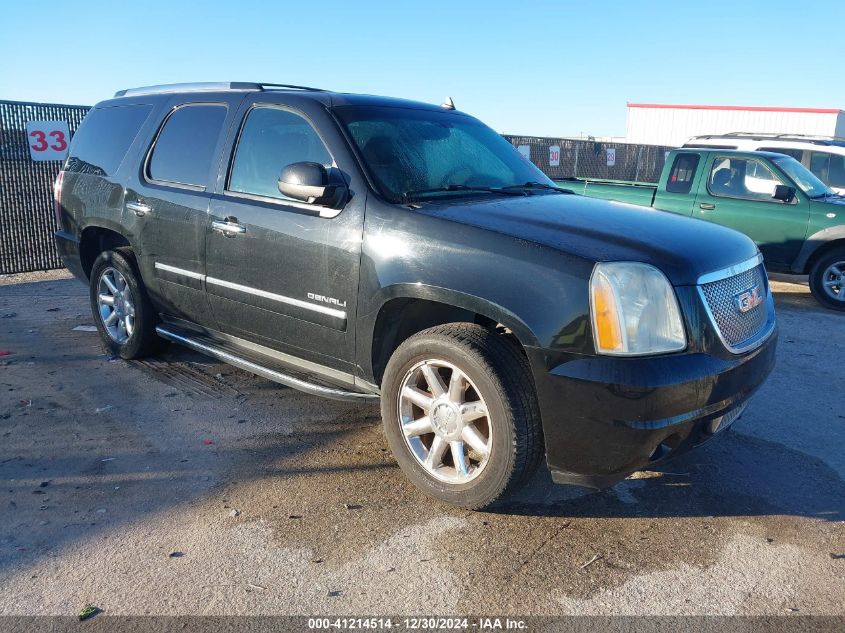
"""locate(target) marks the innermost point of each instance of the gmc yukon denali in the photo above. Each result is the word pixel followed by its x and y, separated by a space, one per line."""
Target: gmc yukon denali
pixel 363 248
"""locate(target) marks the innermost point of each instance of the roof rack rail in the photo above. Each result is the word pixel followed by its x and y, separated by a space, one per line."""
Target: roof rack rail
pixel 292 87
pixel 207 86
pixel 817 139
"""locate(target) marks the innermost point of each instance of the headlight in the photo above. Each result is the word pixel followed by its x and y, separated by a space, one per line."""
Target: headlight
pixel 634 310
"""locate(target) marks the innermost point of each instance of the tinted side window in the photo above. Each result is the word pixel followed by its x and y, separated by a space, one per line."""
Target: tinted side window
pixel 682 174
pixel 272 139
pixel 104 137
pixel 795 153
pixel 184 149
pixel 830 168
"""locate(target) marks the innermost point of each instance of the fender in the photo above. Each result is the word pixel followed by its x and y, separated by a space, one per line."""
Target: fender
pixel 453 298
pixel 813 243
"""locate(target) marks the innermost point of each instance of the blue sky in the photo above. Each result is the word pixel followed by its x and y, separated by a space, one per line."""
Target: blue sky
pixel 543 68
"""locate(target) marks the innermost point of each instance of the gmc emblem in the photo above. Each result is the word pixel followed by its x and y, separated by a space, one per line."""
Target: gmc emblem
pixel 748 300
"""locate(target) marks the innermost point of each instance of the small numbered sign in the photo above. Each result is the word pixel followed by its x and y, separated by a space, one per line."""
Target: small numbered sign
pixel 525 150
pixel 554 155
pixel 611 156
pixel 48 140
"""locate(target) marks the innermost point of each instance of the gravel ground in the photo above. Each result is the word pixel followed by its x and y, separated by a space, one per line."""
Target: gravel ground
pixel 179 485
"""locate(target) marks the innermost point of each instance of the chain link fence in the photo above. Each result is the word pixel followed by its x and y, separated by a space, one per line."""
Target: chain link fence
pixel 26 187
pixel 585 158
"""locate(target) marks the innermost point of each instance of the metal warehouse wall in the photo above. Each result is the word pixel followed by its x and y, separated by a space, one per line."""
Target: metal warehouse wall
pixel 657 124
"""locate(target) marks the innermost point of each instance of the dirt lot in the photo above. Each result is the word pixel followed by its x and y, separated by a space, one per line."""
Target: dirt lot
pixel 182 486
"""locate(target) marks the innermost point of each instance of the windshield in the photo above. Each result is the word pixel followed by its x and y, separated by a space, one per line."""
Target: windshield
pixel 803 177
pixel 423 154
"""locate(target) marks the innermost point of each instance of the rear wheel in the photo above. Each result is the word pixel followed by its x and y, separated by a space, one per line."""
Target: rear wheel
pixel 460 414
pixel 827 279
pixel 125 318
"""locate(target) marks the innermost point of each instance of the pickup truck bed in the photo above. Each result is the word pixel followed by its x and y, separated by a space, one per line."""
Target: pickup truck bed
pixel 641 193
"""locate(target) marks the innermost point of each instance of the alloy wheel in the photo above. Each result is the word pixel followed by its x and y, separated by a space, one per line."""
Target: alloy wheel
pixel 445 421
pixel 116 305
pixel 833 281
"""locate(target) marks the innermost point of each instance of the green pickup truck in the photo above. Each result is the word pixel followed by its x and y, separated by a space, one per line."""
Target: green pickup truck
pixel 796 220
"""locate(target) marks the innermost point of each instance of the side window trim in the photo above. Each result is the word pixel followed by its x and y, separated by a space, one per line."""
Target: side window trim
pixel 710 172
pixel 283 204
pixel 145 172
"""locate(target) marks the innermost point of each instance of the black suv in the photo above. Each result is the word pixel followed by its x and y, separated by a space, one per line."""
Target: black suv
pixel 360 247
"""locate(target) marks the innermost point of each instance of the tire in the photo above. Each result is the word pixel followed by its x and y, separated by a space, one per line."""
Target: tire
pixel 503 447
pixel 127 326
pixel 827 279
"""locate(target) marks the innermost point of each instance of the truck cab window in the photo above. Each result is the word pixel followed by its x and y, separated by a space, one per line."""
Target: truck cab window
pixel 682 174
pixel 272 139
pixel 742 178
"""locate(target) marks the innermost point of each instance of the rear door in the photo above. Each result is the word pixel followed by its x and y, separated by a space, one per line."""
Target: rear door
pixel 737 192
pixel 287 278
pixel 168 203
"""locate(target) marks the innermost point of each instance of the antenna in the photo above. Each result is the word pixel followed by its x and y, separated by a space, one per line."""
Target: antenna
pixel 448 104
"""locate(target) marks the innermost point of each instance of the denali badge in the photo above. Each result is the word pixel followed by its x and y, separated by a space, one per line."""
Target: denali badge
pixel 749 299
pixel 330 300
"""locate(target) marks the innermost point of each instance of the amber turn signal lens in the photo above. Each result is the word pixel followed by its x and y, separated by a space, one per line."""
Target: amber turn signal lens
pixel 608 328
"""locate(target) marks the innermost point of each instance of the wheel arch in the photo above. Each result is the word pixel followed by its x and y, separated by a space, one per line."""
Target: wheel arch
pixel 816 246
pixel 406 309
pixel 95 239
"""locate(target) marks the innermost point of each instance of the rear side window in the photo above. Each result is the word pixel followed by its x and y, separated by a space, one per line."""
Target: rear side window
pixel 682 174
pixel 797 154
pixel 184 150
pixel 271 140
pixel 104 137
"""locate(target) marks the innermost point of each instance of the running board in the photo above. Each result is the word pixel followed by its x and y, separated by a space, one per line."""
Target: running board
pixel 210 348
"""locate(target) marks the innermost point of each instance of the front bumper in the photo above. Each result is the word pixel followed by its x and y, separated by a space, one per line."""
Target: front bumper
pixel 607 417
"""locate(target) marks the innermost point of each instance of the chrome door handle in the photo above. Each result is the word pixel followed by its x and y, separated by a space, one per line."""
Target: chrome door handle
pixel 706 206
pixel 139 208
pixel 228 228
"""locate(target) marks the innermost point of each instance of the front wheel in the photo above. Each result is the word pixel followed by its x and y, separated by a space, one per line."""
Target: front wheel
pixel 124 315
pixel 460 414
pixel 827 279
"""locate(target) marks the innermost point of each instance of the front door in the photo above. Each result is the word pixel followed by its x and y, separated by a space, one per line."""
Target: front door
pixel 737 193
pixel 282 273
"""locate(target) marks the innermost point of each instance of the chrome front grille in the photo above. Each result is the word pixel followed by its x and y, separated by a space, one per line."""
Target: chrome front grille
pixel 725 297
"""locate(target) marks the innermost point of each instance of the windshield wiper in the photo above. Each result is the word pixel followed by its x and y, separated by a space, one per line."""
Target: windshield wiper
pixel 407 196
pixel 537 185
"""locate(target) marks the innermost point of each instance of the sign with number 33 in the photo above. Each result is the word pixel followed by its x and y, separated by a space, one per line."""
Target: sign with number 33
pixel 48 140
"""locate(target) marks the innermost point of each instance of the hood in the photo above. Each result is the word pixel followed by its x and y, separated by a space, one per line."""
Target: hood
pixel 599 230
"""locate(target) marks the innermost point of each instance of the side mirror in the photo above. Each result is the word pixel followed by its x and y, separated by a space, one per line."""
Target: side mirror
pixel 314 184
pixel 304 181
pixel 784 193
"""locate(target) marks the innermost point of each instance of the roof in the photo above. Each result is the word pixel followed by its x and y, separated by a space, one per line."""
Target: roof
pixel 734 107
